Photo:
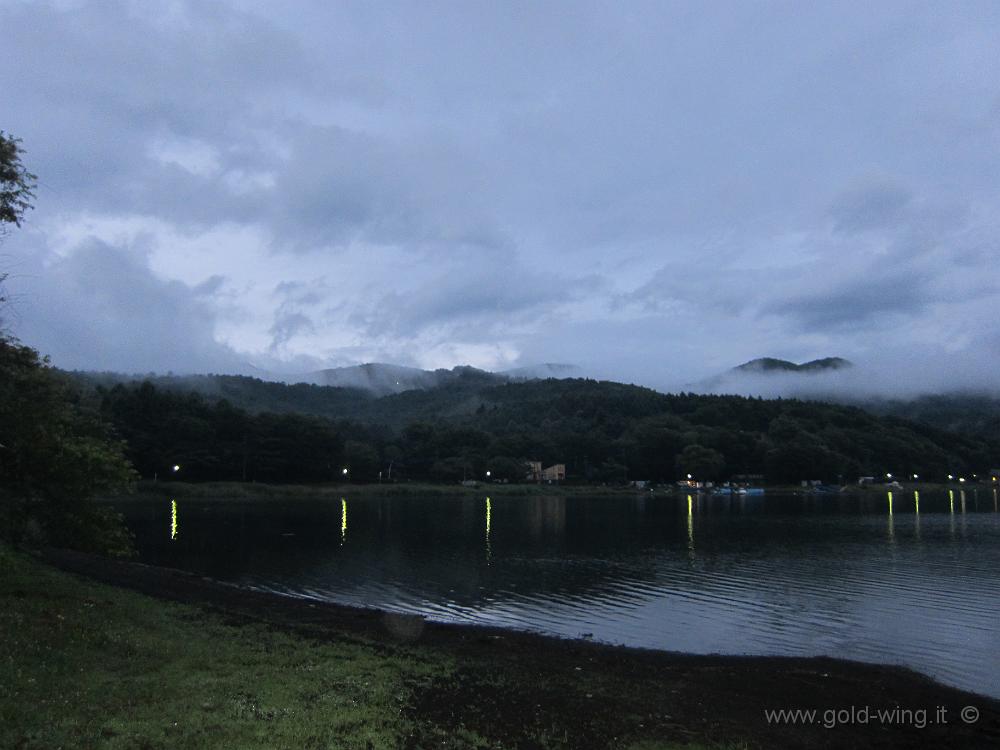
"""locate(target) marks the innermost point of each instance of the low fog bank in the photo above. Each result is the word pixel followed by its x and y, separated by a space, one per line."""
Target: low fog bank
pixel 901 376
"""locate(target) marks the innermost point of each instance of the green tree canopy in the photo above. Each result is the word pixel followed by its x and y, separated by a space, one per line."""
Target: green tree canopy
pixel 54 457
pixel 17 184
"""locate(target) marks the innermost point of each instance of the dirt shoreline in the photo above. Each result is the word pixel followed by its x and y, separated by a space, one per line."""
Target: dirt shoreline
pixel 673 696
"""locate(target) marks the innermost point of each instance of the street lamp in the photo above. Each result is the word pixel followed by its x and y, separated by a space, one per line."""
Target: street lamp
pixel 177 467
pixel 344 471
pixel 488 473
pixel 888 475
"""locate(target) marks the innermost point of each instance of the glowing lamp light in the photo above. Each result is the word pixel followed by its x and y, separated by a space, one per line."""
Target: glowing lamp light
pixel 888 475
pixel 177 467
pixel 915 476
pixel 488 473
pixel 950 477
pixel 689 476
pixel 344 472
pixel 961 479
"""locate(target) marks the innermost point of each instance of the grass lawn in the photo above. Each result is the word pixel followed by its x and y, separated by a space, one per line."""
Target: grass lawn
pixel 84 665
pixel 192 663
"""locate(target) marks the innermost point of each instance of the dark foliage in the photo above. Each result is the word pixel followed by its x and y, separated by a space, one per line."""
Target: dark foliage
pixel 17 184
pixel 605 432
pixel 55 455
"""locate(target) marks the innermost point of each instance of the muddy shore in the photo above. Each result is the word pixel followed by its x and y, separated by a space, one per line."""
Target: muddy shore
pixel 590 694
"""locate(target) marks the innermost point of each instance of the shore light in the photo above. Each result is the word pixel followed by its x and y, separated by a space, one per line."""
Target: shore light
pixel 488 473
pixel 950 477
pixel 344 472
pixel 961 479
pixel 888 475
pixel 689 476
pixel 177 467
pixel 916 476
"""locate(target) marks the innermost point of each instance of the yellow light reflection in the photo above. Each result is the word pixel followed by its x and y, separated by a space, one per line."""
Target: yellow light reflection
pixel 916 500
pixel 343 520
pixel 961 499
pixel 690 524
pixel 489 517
pixel 916 517
pixel 173 519
pixel 951 500
pixel 892 528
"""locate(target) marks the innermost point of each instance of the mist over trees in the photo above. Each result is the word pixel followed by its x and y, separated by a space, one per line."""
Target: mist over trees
pixel 603 432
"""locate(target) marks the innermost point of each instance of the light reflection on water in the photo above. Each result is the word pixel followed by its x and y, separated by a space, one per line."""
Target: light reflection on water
pixel 870 577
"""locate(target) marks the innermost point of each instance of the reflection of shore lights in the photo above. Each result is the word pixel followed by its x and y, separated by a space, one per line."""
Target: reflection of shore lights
pixel 173 519
pixel 343 519
pixel 690 524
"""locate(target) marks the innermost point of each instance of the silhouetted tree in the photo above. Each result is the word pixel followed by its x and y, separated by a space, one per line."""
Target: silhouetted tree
pixel 17 184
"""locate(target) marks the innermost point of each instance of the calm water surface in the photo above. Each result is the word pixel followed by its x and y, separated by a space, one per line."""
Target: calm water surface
pixel 906 579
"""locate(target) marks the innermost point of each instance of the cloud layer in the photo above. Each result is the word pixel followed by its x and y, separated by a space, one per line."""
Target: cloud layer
pixel 654 192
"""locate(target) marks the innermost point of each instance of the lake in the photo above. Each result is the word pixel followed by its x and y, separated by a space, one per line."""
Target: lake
pixel 899 578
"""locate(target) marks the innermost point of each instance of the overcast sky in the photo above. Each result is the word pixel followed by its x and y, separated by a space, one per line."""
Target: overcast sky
pixel 654 192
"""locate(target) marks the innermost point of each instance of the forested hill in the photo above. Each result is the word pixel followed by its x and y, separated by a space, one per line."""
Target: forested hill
pixel 235 427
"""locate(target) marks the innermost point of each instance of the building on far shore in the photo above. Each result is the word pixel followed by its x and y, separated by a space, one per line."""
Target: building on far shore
pixel 554 473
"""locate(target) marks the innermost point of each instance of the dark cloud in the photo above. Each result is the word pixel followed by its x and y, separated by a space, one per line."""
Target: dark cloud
pixel 862 303
pixel 210 286
pixel 870 207
pixel 286 326
pixel 501 184
pixel 487 298
pixel 98 83
pixel 102 308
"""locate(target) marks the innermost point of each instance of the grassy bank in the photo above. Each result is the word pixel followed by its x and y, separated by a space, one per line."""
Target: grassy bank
pixel 84 664
pixel 89 665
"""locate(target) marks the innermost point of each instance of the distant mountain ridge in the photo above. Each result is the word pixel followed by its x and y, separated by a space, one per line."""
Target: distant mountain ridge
pixel 771 364
pixel 383 379
pixel 468 390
